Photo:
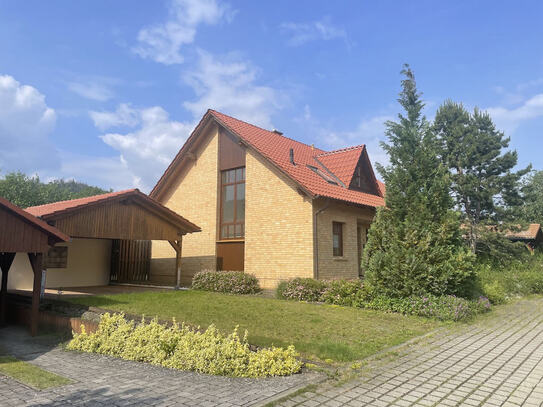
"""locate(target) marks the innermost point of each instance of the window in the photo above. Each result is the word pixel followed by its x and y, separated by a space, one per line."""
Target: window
pixel 357 178
pixel 57 257
pixel 337 238
pixel 232 203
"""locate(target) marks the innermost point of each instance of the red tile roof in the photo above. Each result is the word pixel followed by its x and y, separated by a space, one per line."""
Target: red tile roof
pixel 62 207
pixel 38 223
pixel 528 234
pixel 276 147
pixel 342 162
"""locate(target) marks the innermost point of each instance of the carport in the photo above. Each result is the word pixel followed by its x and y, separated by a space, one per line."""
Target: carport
pixel 127 221
pixel 21 232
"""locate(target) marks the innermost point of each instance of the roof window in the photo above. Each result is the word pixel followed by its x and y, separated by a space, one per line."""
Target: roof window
pixel 326 177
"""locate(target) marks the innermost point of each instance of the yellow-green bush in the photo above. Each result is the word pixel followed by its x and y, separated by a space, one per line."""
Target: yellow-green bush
pixel 183 348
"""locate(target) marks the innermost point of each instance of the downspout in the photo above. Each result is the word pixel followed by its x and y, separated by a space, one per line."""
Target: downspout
pixel 316 239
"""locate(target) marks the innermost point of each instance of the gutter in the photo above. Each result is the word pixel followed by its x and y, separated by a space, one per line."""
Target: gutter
pixel 316 239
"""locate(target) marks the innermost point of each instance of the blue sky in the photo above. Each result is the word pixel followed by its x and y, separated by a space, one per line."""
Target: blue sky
pixel 107 92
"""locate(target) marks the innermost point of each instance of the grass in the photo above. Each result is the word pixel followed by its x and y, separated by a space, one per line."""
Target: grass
pixel 325 332
pixel 29 374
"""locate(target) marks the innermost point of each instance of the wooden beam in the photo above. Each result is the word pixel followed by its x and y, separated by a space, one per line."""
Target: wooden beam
pixel 6 260
pixel 177 245
pixel 36 261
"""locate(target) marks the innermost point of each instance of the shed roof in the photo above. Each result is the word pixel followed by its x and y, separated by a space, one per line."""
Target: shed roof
pixel 23 232
pixel 527 234
pixel 311 163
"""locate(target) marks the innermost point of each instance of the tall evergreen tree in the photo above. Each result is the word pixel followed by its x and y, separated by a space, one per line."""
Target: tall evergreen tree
pixel 531 210
pixel 415 246
pixel 484 185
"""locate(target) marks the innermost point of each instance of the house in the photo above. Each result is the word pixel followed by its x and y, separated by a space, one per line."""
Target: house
pixel 110 238
pixel 532 236
pixel 267 204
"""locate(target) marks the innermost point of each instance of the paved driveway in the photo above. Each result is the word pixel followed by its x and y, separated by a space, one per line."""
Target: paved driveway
pixel 497 362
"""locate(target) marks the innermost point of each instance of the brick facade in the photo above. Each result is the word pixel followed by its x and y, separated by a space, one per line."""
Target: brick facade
pixel 279 225
pixel 194 196
pixel 346 266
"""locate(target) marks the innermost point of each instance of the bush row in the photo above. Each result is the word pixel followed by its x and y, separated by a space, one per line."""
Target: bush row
pixel 354 294
pixel 180 347
pixel 518 278
pixel 235 282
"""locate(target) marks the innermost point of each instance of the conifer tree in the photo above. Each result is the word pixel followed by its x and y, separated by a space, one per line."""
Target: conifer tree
pixel 414 245
pixel 484 185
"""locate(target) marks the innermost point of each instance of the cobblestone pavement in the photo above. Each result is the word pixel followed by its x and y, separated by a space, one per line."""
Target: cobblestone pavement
pixel 495 362
pixel 105 381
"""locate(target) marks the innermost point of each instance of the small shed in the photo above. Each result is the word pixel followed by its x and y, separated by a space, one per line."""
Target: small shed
pixel 21 232
pixel 531 236
pixel 111 238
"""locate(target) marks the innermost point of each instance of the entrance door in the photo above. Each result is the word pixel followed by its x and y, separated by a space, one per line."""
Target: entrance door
pixel 230 256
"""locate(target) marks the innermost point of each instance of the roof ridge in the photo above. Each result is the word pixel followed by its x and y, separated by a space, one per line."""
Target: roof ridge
pixel 107 194
pixel 341 150
pixel 269 131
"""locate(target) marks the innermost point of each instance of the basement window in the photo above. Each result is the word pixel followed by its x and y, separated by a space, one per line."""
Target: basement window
pixel 326 177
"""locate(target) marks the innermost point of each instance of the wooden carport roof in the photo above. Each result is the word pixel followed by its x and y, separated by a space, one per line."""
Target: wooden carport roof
pixel 128 214
pixel 21 232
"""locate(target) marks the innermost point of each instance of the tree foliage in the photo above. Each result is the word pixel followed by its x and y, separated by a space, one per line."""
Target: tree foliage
pixel 414 245
pixel 25 191
pixel 485 187
pixel 532 208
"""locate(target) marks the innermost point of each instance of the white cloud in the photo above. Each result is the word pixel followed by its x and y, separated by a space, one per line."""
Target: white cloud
pixel 91 90
pixel 509 119
pixel 26 123
pixel 147 151
pixel 162 42
pixel 124 115
pixel 229 84
pixel 302 33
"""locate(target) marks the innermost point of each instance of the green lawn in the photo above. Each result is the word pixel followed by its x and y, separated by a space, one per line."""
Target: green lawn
pixel 317 331
pixel 29 374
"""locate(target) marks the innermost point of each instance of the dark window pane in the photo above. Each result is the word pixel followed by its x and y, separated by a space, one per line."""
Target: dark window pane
pixel 224 231
pixel 228 204
pixel 238 230
pixel 239 174
pixel 231 176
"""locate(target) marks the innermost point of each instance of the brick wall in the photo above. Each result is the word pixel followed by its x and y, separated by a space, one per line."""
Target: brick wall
pixel 279 225
pixel 346 266
pixel 195 198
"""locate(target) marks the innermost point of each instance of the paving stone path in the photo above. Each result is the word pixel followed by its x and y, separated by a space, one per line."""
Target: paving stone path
pixel 495 362
pixel 105 381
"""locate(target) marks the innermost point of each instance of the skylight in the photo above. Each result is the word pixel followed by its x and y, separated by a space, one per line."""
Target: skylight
pixel 326 177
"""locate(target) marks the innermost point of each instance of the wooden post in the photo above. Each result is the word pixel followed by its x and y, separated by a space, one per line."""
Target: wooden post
pixel 6 259
pixel 36 260
pixel 177 246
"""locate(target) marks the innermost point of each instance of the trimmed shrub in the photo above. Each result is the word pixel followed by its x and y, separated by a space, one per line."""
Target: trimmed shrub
pixel 348 293
pixel 444 308
pixel 183 348
pixel 354 294
pixel 235 282
pixel 301 289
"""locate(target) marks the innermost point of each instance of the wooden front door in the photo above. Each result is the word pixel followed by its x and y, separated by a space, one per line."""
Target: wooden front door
pixel 230 256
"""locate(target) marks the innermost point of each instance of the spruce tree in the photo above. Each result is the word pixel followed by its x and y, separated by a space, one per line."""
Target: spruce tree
pixel 414 245
pixel 484 185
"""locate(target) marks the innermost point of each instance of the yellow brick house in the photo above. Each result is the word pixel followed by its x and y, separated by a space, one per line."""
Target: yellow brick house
pixel 268 205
